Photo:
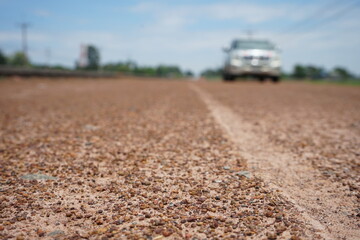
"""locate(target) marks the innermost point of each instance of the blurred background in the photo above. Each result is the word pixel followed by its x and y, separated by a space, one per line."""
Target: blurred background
pixel 318 38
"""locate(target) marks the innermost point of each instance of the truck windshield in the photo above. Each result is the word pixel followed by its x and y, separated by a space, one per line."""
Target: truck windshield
pixel 264 45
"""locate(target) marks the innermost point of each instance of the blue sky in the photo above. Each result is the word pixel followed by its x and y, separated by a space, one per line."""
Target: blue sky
pixel 187 33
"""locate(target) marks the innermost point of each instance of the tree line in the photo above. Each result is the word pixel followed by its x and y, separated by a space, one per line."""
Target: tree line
pixel 92 63
pixel 299 72
pixel 313 72
pixel 210 73
pixel 17 59
pixel 132 68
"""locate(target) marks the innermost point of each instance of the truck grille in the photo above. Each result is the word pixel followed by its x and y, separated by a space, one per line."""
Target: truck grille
pixel 262 60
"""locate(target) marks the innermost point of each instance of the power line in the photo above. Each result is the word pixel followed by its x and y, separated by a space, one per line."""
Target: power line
pixel 312 16
pixel 337 14
pixel 314 21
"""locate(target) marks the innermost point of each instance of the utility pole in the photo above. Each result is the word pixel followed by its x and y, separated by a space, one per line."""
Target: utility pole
pixel 48 56
pixel 24 27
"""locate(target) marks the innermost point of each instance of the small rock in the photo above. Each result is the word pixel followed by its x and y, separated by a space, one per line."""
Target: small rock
pixel 55 233
pixel 246 174
pixel 40 233
pixel 118 222
pixel 158 237
pixel 38 177
pixel 278 218
pixel 271 236
pixel 226 168
pixel 101 230
pixel 166 233
pixel 215 224
pixel 91 127
pixel 269 214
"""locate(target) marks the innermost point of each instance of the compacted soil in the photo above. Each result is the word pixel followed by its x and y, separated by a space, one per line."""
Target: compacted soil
pixel 158 159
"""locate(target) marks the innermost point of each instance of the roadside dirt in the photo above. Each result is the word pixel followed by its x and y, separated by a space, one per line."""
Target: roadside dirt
pixel 146 159
pixel 301 139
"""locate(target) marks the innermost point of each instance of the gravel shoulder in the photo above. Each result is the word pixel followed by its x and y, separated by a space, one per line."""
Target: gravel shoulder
pixel 301 139
pixel 127 159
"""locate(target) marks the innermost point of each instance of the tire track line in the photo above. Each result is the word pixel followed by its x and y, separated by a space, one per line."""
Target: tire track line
pixel 264 160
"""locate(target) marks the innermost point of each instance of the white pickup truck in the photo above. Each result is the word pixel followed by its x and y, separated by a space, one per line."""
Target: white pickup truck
pixel 256 58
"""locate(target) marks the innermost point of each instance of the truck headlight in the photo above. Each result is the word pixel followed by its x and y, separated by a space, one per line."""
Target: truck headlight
pixel 236 61
pixel 275 63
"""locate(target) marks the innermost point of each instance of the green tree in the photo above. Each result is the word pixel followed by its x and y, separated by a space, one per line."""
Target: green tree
pixel 168 71
pixel 132 68
pixel 3 58
pixel 93 58
pixel 212 73
pixel 117 67
pixel 144 71
pixel 342 73
pixel 299 72
pixel 19 59
pixel 189 73
pixel 314 72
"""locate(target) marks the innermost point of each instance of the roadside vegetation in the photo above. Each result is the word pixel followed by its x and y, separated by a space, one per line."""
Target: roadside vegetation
pixel 92 63
pixel 132 68
pixel 316 74
pixel 309 73
pixel 212 74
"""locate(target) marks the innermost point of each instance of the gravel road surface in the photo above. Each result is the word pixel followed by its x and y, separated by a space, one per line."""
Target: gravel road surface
pixel 157 159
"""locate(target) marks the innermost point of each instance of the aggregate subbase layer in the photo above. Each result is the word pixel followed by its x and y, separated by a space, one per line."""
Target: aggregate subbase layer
pixel 129 159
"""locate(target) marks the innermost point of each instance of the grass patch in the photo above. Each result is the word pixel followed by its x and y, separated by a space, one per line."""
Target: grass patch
pixel 346 82
pixel 213 79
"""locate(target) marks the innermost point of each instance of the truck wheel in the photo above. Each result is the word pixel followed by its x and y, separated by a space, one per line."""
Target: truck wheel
pixel 262 79
pixel 275 79
pixel 228 78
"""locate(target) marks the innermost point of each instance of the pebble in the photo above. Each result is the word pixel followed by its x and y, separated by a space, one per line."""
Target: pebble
pixel 91 127
pixel 40 233
pixel 246 174
pixel 158 237
pixel 38 177
pixel 167 233
pixel 56 233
